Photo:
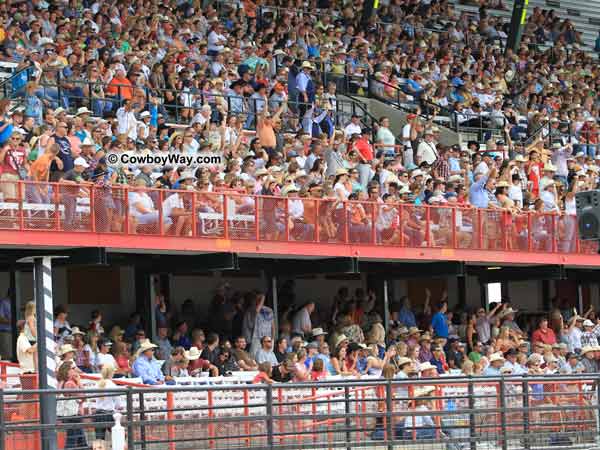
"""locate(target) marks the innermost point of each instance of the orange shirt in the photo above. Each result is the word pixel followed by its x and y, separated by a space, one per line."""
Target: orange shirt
pixel 120 86
pixel 40 168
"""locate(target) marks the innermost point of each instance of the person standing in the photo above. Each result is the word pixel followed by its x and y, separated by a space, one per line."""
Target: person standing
pixel 259 322
pixel 306 95
pixel 302 324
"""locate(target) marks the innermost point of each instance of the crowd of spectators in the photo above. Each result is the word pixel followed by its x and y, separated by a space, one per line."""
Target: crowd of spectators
pixel 349 340
pixel 258 84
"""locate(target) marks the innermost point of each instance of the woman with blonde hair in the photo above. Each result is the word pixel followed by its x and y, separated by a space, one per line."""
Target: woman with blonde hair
pixel 30 328
pixel 106 405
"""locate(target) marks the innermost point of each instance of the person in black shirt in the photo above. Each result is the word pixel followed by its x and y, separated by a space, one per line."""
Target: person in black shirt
pixel 281 349
pixel 225 363
pixel 211 351
pixel 283 373
pixel 455 354
pixel 75 177
pixel 164 181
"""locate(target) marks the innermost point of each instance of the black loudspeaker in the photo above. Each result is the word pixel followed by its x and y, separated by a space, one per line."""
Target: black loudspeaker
pixel 588 215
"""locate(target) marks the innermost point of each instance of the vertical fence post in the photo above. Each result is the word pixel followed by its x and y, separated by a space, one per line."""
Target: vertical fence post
pixel 525 392
pixel 270 416
pixel 170 418
pixel 472 429
pixel 348 420
pixel 389 410
pixel 2 422
pixel 142 419
pixel 130 432
pixel 503 414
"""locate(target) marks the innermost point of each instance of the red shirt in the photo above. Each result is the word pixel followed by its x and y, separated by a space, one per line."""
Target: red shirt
pixel 13 159
pixel 260 378
pixel 365 149
pixel 546 336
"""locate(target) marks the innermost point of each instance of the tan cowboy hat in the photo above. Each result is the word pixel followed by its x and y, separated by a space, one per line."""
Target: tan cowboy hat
pixel 67 348
pixel 424 391
pixel 507 312
pixel 496 357
pixel 426 366
pixel 307 65
pixel 341 338
pixel 425 337
pixel 587 349
pixel 193 354
pixel 146 345
pixel 403 361
pixel 317 332
pixel 414 330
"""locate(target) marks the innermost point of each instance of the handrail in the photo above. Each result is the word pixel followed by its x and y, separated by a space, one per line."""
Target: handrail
pixel 60 207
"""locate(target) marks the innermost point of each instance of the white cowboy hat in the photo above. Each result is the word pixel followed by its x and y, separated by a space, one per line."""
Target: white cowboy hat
pixel 424 391
pixel 341 338
pixel 67 348
pixel 76 330
pixel 496 357
pixel 193 354
pixel 587 349
pixel 146 345
pixel 83 110
pixel 508 311
pixel 317 332
pixel 426 366
pixel 403 360
pixel 307 65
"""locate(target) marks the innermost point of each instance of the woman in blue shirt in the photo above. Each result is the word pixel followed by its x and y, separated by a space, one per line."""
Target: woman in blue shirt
pixel 33 105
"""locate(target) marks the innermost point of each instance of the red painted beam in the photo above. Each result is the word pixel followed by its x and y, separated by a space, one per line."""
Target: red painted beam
pixel 159 244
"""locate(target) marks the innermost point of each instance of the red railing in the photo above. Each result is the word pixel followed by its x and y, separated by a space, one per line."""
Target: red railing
pixel 230 215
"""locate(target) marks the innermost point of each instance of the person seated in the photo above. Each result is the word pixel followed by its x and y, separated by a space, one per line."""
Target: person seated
pixel 264 374
pixel 141 207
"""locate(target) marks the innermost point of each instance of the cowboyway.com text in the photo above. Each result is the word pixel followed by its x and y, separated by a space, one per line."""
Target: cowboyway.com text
pixel 170 159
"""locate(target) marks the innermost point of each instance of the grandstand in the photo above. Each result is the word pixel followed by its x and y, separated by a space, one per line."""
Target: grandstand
pixel 381 251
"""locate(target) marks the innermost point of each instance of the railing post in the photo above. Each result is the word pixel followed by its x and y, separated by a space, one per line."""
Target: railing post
pixel 374 213
pixel 142 419
pixel 2 422
pixel 346 223
pixel 92 208
pixel 161 221
pixel 454 237
pixel 130 432
pixel 170 418
pixel 225 217
pixel 529 236
pixel 389 405
pixel 20 200
pixel 597 410
pixel 505 229
pixel 503 414
pixel 287 219
pixel 348 420
pixel 554 234
pixel 525 391
pixel 316 237
pixel 270 411
pixel 257 217
pixel 427 225
pixel 479 229
pixel 194 216
pixel 472 428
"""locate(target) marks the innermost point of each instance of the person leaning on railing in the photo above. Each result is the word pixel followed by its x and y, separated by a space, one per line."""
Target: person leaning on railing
pixel 70 410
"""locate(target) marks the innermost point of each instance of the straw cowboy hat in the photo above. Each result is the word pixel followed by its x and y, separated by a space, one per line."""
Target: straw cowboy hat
pixel 307 65
pixel 341 338
pixel 317 332
pixel 402 361
pixel 508 312
pixel 145 346
pixel 414 330
pixel 424 391
pixel 426 366
pixel 193 354
pixel 587 349
pixel 76 330
pixel 496 357
pixel 67 348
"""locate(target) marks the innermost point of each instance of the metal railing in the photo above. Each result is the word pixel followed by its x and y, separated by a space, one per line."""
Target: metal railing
pixel 456 412
pixel 233 214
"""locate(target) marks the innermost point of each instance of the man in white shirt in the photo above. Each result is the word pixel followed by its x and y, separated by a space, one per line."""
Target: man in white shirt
pixel 301 323
pixel 515 192
pixel 353 127
pixel 427 152
pixel 175 212
pixel 203 116
pixel 216 39
pixel 143 130
pixel 126 121
pixel 409 134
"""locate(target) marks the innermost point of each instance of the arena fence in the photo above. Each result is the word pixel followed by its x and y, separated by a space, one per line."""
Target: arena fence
pixel 459 413
pixel 235 215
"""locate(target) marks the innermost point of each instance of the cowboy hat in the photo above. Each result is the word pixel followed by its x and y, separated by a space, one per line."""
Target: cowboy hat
pixel 426 366
pixel 83 110
pixel 587 349
pixel 146 345
pixel 424 391
pixel 67 348
pixel 414 330
pixel 291 188
pixel 192 354
pixel 307 65
pixel 496 357
pixel 341 338
pixel 403 361
pixel 318 332
pixel 76 330
pixel 507 312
